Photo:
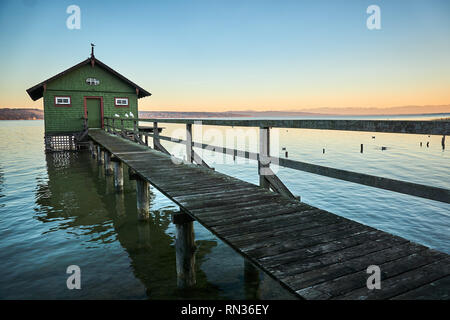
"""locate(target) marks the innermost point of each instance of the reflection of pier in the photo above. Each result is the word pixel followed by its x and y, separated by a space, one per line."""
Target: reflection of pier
pixel 72 194
pixel 314 253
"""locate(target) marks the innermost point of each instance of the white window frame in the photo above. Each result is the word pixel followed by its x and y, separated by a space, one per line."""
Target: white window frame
pixel 92 81
pixel 62 103
pixel 121 102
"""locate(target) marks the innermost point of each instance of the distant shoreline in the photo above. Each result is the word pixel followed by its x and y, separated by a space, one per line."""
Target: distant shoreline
pixel 38 114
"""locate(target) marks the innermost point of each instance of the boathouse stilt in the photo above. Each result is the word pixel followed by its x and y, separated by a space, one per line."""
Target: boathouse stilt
pixel 143 198
pixel 185 249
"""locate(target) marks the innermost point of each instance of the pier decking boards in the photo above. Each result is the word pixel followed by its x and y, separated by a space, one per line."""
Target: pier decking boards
pixel 312 252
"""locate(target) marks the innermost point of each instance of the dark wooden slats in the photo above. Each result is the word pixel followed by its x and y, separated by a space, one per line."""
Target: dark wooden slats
pixel 312 252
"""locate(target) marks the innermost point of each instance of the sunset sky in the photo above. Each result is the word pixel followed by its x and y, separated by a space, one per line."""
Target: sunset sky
pixel 237 55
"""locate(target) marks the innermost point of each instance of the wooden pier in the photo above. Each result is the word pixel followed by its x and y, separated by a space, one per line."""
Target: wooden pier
pixel 313 253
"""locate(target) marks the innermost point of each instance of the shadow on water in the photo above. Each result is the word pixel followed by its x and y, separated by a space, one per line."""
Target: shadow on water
pixel 83 202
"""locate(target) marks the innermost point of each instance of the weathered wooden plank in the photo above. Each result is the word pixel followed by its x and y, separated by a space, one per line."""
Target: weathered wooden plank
pixel 438 289
pixel 394 279
pixel 327 272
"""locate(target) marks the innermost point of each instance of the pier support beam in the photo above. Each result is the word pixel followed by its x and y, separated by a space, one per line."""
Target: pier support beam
pixel 100 156
pixel 107 162
pixel 93 149
pixel 143 198
pixel 185 250
pixel 118 173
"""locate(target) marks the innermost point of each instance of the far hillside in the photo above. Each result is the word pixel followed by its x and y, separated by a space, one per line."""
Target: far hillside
pixel 21 114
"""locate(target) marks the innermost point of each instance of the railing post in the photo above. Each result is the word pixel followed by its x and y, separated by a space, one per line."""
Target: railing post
pixel 122 128
pixel 155 135
pixel 189 142
pixel 263 157
pixel 135 131
pixel 113 126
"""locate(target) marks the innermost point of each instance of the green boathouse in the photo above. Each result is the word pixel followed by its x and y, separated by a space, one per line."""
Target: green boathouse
pixel 80 97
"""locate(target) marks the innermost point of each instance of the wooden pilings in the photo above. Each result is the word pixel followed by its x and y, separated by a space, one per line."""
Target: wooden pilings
pixel 118 173
pixel 100 156
pixel 185 249
pixel 142 198
pixel 107 163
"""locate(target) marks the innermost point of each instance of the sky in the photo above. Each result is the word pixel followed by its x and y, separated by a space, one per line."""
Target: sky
pixel 237 55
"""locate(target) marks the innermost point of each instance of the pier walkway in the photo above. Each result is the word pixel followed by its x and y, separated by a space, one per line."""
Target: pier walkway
pixel 312 252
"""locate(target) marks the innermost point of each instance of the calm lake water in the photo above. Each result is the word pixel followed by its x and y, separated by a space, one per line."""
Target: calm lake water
pixel 59 209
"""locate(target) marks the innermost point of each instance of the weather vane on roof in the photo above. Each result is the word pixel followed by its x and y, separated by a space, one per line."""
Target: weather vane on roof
pixel 92 49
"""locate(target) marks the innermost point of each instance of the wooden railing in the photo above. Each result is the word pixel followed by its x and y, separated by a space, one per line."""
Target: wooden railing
pixel 267 178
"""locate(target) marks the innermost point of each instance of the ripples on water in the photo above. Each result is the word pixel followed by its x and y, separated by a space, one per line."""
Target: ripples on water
pixel 59 209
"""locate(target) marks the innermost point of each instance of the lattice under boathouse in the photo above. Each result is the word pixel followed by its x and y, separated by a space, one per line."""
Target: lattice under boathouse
pixel 80 98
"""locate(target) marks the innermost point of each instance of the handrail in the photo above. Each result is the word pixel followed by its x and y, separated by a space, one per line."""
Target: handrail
pixel 435 127
pixel 414 189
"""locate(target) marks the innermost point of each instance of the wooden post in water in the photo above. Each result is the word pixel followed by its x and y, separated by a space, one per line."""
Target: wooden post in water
pixel 189 142
pixel 362 148
pixel 100 156
pixel 92 148
pixel 107 162
pixel 185 249
pixel 143 198
pixel 264 152
pixel 118 173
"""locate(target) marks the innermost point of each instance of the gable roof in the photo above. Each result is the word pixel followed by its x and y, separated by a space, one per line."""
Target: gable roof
pixel 36 92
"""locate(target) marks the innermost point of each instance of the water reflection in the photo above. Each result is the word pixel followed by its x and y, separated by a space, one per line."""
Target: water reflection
pixel 2 181
pixel 79 199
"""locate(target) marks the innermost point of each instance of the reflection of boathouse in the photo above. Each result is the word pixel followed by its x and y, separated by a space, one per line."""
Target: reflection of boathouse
pixel 105 215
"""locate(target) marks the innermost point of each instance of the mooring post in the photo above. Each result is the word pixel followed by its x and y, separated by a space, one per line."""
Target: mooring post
pixel 362 148
pixel 185 249
pixel 189 142
pixel 118 173
pixel 263 159
pixel 143 198
pixel 107 162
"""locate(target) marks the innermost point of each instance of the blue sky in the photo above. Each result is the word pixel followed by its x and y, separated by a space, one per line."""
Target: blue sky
pixel 225 55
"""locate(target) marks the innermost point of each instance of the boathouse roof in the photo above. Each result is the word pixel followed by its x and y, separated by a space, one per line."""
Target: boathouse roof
pixel 36 92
